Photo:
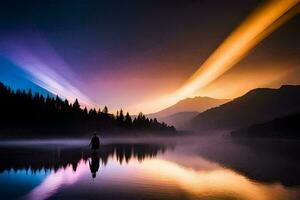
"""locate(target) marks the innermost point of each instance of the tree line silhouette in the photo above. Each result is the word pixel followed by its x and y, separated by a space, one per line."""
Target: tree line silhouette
pixel 24 113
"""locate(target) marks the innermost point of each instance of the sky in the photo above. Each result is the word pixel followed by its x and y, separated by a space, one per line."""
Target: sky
pixel 125 54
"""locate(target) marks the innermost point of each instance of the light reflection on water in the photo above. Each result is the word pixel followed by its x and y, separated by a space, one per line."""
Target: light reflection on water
pixel 21 179
pixel 182 170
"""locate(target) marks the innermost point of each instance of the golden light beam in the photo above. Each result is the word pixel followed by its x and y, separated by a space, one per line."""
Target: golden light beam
pixel 256 27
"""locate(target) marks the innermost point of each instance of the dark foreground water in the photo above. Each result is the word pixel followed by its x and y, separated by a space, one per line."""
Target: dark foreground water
pixel 190 168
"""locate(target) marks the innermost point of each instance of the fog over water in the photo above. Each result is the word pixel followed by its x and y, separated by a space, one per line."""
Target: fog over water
pixel 208 167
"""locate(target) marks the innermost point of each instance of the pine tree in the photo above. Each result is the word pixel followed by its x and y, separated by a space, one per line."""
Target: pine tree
pixel 105 110
pixel 128 121
pixel 76 105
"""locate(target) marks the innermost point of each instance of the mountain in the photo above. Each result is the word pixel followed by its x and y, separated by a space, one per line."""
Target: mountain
pixel 196 104
pixel 258 105
pixel 287 127
pixel 180 120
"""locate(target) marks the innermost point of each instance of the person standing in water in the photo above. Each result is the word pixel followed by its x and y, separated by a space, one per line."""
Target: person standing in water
pixel 95 142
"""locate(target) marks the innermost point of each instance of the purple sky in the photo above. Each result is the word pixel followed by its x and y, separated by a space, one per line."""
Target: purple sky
pixel 124 53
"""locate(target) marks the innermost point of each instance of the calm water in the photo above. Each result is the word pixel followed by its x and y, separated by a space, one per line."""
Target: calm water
pixel 193 168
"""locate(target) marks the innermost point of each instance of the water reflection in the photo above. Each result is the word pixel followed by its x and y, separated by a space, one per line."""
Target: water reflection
pixel 63 166
pixel 267 161
pixel 195 169
pixel 53 158
pixel 94 163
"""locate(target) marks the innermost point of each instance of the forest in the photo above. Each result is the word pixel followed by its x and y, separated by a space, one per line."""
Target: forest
pixel 25 114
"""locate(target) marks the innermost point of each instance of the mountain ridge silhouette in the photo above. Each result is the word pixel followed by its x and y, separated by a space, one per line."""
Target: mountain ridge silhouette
pixel 256 106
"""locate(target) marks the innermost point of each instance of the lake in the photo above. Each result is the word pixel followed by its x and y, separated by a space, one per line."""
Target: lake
pixel 156 168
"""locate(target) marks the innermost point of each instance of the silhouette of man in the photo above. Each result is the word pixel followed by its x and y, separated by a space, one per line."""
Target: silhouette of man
pixel 94 163
pixel 95 142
